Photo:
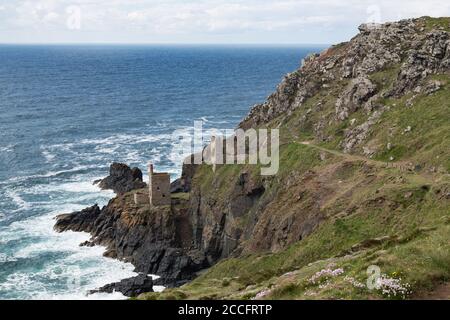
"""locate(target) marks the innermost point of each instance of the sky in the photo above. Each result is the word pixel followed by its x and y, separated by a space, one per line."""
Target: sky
pixel 201 21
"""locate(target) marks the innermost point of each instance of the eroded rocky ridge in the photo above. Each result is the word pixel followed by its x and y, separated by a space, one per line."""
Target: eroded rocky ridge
pixel 408 48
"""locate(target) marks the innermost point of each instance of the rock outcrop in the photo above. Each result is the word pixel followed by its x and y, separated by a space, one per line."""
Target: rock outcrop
pixel 122 179
pixel 155 240
pixel 428 54
pixel 131 287
pixel 405 47
pixel 82 221
pixel 354 96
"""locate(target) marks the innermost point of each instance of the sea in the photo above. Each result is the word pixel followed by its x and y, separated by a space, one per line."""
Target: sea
pixel 68 111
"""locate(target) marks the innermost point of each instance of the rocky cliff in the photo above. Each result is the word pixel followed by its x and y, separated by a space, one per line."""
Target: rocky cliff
pixel 363 180
pixel 155 240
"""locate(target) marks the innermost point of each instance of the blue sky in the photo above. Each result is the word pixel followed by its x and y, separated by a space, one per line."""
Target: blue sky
pixel 200 21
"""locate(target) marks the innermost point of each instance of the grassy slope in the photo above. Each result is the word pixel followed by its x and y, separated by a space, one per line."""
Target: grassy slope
pixel 408 210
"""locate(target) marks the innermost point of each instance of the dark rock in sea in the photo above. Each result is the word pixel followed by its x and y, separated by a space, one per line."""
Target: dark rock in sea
pixel 122 179
pixel 110 254
pixel 87 244
pixel 131 287
pixel 78 221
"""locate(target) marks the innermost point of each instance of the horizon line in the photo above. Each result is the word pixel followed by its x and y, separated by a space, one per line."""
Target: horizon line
pixel 162 44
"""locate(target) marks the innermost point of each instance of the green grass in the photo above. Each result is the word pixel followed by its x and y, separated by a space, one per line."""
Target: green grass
pixel 434 23
pixel 418 225
pixel 428 142
pixel 181 196
pixel 386 78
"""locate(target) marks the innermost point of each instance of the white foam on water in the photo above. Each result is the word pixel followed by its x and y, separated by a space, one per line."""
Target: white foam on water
pixel 129 148
pixel 82 187
pixel 17 200
pixel 220 122
pixel 133 157
pixel 120 139
pixel 76 190
pixel 85 267
pixel 154 155
pixel 74 270
pixel 49 157
pixel 52 174
pixel 5 258
pixel 8 148
pixel 107 149
pixel 79 269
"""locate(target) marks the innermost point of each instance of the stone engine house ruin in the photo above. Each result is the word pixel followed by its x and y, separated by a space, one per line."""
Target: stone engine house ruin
pixel 158 189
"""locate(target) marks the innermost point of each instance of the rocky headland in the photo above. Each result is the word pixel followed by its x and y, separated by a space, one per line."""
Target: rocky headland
pixel 363 180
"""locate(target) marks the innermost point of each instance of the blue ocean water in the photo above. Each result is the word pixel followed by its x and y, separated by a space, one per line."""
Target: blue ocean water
pixel 67 112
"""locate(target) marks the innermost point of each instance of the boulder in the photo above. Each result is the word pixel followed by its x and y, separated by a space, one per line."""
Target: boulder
pixel 122 179
pixel 131 287
pixel 366 28
pixel 355 136
pixel 432 86
pixel 358 91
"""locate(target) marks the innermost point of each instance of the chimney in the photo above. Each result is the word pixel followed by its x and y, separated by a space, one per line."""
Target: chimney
pixel 150 169
pixel 213 154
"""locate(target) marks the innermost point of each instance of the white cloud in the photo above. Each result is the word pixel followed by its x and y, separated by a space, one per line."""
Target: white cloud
pixel 204 20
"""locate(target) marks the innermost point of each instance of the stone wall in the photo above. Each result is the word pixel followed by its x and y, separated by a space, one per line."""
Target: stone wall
pixel 159 189
pixel 141 198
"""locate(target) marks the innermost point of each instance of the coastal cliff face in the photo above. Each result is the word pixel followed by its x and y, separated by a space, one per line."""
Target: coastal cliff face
pixel 154 240
pixel 363 180
pixel 409 49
